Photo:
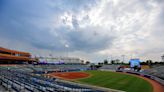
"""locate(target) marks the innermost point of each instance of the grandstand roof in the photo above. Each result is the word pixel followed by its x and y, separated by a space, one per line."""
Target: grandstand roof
pixel 11 57
pixel 13 51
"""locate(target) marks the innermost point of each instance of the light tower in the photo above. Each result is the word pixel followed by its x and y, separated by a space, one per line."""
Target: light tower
pixel 162 58
pixel 66 47
pixel 123 58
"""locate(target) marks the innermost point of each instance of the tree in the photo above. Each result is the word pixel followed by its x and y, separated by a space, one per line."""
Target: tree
pixel 117 61
pixel 87 62
pixel 112 61
pixel 149 62
pixel 99 63
pixel 143 63
pixel 105 61
pixel 82 61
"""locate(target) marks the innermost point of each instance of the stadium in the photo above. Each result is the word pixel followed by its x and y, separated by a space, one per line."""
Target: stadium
pixel 19 72
pixel 81 45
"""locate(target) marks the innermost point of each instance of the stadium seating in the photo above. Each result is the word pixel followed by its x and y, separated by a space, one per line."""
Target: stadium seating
pixel 156 71
pixel 109 67
pixel 22 79
pixel 58 68
pixel 40 69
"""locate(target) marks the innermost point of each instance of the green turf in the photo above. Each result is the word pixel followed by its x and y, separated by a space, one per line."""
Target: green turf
pixel 118 81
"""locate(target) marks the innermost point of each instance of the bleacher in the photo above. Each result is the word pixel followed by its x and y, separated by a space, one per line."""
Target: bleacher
pixel 109 67
pixel 58 68
pixel 156 71
pixel 40 69
pixel 16 79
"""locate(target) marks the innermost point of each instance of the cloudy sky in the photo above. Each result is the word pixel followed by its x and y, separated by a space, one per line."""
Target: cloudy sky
pixel 90 29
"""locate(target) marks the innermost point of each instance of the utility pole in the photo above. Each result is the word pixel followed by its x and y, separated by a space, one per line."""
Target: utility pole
pixel 162 58
pixel 123 58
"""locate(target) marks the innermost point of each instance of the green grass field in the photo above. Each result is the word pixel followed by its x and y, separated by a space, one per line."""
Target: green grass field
pixel 118 81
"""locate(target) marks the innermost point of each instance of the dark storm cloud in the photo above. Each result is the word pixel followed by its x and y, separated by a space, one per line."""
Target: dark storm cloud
pixel 100 27
pixel 18 18
pixel 86 39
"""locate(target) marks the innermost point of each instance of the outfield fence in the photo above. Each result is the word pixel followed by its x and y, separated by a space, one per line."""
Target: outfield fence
pixel 159 80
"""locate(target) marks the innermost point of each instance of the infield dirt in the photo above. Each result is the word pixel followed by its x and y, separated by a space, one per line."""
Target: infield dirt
pixel 70 75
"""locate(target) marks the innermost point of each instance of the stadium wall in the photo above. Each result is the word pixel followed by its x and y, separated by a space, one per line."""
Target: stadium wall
pixel 161 81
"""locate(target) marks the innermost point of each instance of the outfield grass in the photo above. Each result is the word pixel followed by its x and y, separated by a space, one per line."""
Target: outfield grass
pixel 118 81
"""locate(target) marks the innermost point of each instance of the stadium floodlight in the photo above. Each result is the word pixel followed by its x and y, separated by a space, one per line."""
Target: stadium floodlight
pixel 66 46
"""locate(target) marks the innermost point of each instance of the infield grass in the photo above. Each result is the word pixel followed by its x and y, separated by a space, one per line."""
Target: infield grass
pixel 118 81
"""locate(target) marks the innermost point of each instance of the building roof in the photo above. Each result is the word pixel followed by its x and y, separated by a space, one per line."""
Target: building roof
pixel 13 51
pixel 11 57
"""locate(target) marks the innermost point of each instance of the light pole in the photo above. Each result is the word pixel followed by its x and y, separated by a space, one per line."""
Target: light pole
pixel 110 58
pixel 66 47
pixel 123 58
pixel 162 58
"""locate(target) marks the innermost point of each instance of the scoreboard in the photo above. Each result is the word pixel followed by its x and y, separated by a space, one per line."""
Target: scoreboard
pixel 135 62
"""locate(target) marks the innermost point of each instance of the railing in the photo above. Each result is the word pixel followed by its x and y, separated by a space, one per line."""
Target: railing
pixel 161 81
